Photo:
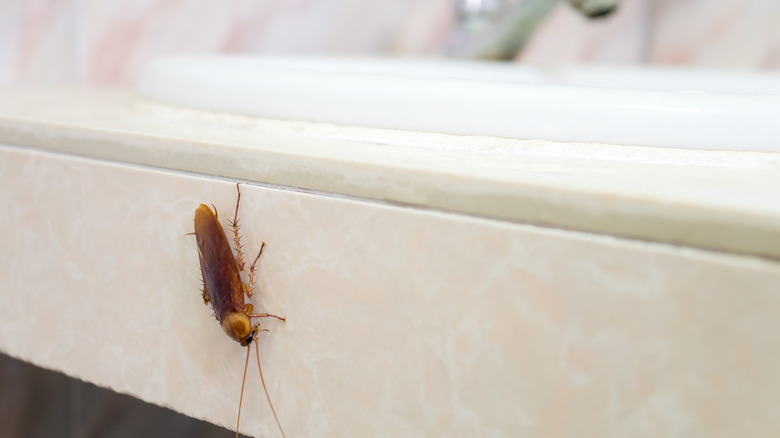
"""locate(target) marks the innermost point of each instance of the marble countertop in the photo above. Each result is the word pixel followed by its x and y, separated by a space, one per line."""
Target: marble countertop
pixel 717 200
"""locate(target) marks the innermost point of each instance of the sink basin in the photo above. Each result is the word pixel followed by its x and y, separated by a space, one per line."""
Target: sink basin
pixel 693 109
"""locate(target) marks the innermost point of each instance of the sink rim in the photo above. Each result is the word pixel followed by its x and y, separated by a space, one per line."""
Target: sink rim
pixel 571 104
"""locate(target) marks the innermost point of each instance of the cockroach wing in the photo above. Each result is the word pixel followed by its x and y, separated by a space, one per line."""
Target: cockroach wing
pixel 221 277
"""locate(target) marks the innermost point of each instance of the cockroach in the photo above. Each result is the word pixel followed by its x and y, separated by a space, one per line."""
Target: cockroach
pixel 224 290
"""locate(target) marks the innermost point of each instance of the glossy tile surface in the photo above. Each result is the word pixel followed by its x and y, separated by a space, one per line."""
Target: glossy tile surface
pixel 567 37
pixel 98 43
pixel 94 42
pixel 721 34
pixel 401 322
pixel 39 41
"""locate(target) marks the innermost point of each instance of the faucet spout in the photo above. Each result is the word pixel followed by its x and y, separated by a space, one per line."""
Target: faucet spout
pixel 498 29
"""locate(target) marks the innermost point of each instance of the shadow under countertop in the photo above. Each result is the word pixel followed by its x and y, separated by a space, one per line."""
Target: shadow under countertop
pixel 35 402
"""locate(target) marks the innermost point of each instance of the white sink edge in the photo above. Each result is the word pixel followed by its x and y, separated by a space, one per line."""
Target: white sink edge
pixel 570 105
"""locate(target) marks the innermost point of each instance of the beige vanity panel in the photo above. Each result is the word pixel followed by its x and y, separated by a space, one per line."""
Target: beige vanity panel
pixel 400 321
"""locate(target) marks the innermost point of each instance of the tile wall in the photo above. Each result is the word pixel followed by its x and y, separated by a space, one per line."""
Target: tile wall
pixel 108 43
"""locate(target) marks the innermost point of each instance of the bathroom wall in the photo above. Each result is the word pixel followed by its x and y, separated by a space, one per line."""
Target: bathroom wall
pixel 704 33
pixel 108 43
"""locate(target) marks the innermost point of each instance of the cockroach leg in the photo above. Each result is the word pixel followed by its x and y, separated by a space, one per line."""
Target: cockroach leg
pixel 266 315
pixel 251 282
pixel 249 307
pixel 256 328
pixel 236 238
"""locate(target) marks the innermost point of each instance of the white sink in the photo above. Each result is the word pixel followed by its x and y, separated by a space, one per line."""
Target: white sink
pixel 694 109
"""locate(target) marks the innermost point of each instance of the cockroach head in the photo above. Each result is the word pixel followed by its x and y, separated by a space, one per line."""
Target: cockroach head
pixel 249 338
pixel 238 327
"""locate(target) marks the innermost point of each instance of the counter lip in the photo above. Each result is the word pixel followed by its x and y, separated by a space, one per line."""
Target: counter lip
pixel 715 200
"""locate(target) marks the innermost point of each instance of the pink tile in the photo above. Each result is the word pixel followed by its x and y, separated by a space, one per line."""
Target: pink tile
pixel 568 37
pixel 424 27
pixel 123 36
pixel 99 42
pixel 726 33
pixel 38 40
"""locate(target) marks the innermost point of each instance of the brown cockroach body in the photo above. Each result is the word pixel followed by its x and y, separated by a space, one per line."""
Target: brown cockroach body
pixel 224 289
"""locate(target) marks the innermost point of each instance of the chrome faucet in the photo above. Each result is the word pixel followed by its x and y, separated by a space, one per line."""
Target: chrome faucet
pixel 497 29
